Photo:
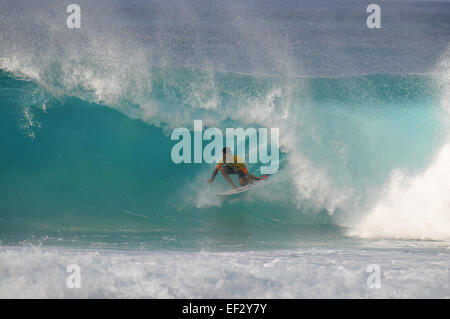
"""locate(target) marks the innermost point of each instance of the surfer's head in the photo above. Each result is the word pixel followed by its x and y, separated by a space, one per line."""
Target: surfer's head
pixel 227 155
pixel 226 151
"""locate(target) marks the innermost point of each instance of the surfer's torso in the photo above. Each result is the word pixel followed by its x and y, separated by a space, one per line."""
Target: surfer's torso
pixel 236 163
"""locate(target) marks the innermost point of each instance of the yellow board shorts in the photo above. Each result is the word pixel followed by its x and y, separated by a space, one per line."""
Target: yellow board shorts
pixel 238 167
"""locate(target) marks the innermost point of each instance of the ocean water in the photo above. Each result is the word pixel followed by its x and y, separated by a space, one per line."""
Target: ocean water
pixel 86 175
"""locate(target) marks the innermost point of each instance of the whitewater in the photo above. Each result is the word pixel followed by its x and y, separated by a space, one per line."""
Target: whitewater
pixel 86 175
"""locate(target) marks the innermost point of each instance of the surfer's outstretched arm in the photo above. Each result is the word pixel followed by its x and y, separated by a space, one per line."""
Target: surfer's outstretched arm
pixel 213 175
pixel 225 174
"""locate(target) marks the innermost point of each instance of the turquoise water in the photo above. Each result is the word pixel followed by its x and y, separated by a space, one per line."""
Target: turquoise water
pixel 80 173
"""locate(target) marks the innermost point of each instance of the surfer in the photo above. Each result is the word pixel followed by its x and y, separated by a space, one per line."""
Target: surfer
pixel 233 164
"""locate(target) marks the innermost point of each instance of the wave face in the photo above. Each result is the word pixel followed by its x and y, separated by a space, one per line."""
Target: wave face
pixel 70 166
pixel 85 118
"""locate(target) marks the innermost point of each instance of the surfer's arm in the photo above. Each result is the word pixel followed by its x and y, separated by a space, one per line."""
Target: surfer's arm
pixel 216 170
pixel 213 175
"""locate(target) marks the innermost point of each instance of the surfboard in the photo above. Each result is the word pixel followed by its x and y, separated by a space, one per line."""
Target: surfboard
pixel 244 188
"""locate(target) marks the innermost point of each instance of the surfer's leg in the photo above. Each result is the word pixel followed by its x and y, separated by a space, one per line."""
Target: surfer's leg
pixel 242 181
pixel 227 177
pixel 242 178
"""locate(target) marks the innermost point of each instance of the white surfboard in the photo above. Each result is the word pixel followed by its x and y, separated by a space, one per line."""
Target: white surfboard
pixel 242 188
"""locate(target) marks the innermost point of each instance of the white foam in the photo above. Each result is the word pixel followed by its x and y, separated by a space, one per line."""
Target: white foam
pixel 413 207
pixel 303 273
pixel 20 67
